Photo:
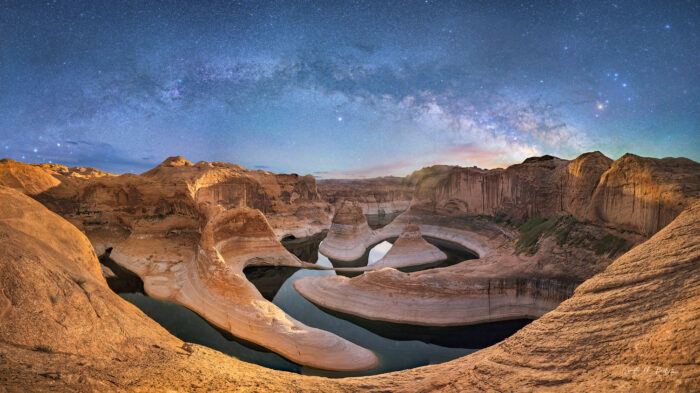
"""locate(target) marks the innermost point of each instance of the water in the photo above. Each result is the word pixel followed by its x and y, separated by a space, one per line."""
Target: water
pixel 397 346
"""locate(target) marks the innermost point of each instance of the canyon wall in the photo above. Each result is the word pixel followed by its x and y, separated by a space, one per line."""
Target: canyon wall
pixel 381 195
pixel 633 193
pixel 188 230
pixel 632 327
pixel 177 194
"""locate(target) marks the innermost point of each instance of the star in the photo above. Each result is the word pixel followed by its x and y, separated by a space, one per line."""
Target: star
pixel 340 118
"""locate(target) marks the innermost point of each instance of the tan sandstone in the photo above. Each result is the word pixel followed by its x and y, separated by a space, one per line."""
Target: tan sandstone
pixel 632 327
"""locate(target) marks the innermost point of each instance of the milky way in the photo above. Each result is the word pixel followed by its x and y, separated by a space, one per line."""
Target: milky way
pixel 346 89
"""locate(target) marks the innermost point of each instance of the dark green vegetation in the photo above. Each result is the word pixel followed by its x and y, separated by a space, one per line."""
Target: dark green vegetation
pixel 610 244
pixel 498 219
pixel 569 232
pixel 530 233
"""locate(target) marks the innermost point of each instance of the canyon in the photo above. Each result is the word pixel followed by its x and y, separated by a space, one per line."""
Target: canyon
pixel 603 254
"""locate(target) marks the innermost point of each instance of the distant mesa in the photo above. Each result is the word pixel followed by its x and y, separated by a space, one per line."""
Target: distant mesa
pixel 175 161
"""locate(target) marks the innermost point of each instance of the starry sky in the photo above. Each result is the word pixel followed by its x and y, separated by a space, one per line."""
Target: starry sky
pixel 346 89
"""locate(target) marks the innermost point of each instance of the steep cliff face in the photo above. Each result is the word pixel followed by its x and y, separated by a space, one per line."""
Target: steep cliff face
pixel 581 179
pixel 633 327
pixel 633 193
pixel 521 191
pixel 382 195
pixel 645 194
pixel 176 193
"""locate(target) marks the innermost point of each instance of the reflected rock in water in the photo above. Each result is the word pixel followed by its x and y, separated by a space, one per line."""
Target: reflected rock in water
pixel 119 279
pixel 305 248
pixel 468 336
pixel 376 221
pixel 268 279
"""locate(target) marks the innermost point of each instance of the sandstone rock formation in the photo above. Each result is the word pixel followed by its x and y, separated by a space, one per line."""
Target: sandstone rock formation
pixel 63 329
pixel 381 195
pixel 634 193
pixel 633 327
pixel 187 230
pixel 499 285
pixel 165 214
pixel 410 249
pixel 54 297
pixel 174 189
pixel 349 235
pixel 644 194
pixel 434 297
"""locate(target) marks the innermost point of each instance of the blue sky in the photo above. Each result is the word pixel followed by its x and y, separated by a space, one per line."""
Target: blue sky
pixel 346 89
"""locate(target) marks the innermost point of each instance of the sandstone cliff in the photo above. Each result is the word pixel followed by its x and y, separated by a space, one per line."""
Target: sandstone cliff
pixel 188 230
pixel 381 195
pixel 633 193
pixel 633 327
pixel 349 235
pixel 177 193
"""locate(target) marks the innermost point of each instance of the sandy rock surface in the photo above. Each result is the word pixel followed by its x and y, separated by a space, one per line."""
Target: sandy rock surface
pixel 633 327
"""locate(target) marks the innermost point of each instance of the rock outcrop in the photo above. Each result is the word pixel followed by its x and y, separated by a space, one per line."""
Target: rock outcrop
pixel 212 283
pixel 633 327
pixel 644 194
pixel 188 230
pixel 53 297
pixel 633 193
pixel 410 249
pixel 349 235
pixel 174 189
pixel 436 297
pixel 380 196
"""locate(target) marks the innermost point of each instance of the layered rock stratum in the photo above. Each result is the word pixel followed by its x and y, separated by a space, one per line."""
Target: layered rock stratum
pixel 189 230
pixel 410 249
pixel 634 193
pixel 382 195
pixel 349 235
pixel 632 327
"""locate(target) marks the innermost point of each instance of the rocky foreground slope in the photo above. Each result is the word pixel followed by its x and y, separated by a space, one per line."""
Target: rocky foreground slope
pixel 189 231
pixel 633 327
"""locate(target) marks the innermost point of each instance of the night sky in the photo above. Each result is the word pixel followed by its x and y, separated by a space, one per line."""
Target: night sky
pixel 346 89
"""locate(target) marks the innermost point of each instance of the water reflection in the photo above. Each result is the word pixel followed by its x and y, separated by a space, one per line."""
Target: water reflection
pixel 376 221
pixel 397 346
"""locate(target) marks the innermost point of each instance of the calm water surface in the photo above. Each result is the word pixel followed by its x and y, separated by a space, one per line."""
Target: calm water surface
pixel 397 346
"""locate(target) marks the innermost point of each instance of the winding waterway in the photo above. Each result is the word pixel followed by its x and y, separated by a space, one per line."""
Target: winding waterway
pixel 397 346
